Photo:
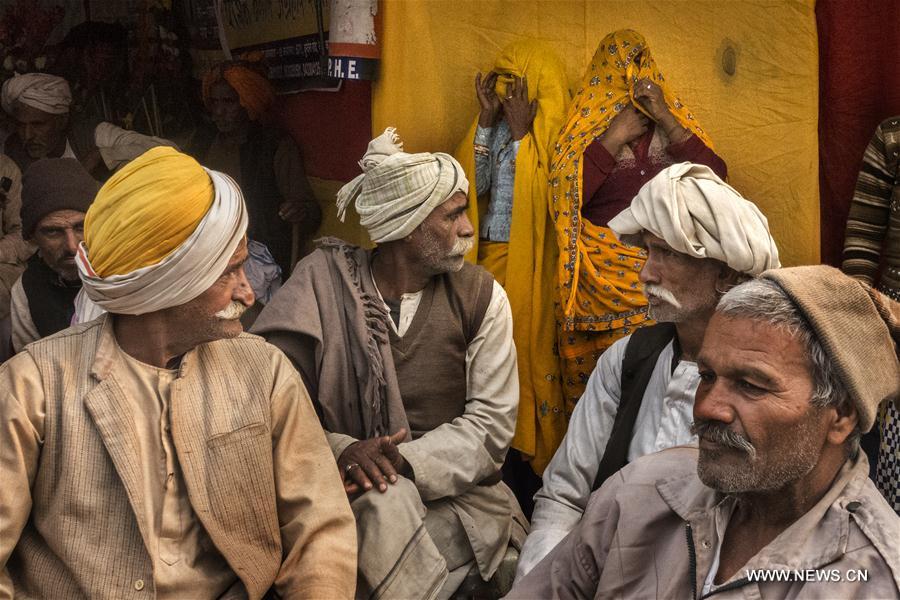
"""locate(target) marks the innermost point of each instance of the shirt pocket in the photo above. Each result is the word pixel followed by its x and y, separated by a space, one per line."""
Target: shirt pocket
pixel 238 435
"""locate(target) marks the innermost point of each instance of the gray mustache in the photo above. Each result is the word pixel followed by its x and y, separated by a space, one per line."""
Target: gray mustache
pixel 719 433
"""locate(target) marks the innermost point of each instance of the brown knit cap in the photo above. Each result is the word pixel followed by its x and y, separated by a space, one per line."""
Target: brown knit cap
pixel 53 184
pixel 858 327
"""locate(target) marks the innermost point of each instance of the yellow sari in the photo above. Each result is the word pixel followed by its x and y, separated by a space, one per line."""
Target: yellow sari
pixel 526 266
pixel 599 292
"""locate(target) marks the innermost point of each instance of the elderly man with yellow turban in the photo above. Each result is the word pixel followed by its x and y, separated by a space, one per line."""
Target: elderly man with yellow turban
pixel 701 237
pixel 266 163
pixel 157 449
pixel 39 105
pixel 408 354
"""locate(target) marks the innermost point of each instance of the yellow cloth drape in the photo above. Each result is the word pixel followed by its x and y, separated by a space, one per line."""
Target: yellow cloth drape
pixel 155 210
pixel 621 59
pixel 532 255
pixel 760 110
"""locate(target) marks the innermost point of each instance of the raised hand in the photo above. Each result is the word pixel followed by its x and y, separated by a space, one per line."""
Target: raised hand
pixel 487 99
pixel 519 112
pixel 625 127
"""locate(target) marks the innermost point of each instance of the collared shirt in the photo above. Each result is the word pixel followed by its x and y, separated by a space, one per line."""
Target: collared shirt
pixel 663 421
pixel 496 173
pixel 723 512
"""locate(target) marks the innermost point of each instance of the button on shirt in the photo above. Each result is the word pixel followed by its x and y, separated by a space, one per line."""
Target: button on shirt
pixel 663 421
pixel 185 562
pixel 496 173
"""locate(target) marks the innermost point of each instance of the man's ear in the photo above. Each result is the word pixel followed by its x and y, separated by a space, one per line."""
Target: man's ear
pixel 843 422
pixel 727 278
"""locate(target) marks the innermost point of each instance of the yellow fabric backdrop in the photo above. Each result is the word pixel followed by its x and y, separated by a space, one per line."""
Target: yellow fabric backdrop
pixel 762 116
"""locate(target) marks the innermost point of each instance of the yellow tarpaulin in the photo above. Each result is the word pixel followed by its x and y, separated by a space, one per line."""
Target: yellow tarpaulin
pixel 748 69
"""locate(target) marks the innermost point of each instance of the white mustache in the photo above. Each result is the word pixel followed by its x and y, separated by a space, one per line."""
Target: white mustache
pixel 662 293
pixel 462 246
pixel 231 312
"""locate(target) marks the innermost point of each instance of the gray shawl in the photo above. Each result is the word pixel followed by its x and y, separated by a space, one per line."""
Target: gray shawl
pixel 331 322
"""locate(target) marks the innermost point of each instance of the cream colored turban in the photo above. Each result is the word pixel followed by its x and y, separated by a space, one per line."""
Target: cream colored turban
pixel 397 191
pixel 160 233
pixel 698 214
pixel 48 93
pixel 118 146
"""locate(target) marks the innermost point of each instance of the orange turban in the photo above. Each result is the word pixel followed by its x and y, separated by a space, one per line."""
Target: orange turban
pixel 254 91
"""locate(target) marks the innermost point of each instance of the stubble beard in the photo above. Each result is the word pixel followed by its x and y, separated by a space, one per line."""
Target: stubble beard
pixel 791 457
pixel 438 260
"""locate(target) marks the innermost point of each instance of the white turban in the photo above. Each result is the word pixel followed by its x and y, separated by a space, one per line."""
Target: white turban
pixel 397 191
pixel 118 146
pixel 700 215
pixel 48 93
pixel 191 269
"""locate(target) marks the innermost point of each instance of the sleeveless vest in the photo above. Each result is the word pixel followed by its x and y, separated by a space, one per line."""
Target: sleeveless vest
pixel 644 347
pixel 50 301
pixel 430 359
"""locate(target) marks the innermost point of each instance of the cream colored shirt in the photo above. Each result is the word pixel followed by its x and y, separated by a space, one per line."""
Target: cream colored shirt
pixel 663 421
pixel 185 562
pixel 24 331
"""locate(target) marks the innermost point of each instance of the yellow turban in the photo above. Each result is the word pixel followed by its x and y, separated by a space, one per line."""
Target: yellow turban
pixel 159 234
pixel 142 214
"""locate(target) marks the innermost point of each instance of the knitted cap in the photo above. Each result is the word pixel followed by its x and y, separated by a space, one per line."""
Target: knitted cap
pixel 54 184
pixel 858 328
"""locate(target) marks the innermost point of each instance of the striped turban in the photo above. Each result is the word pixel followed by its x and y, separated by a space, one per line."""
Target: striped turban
pixel 161 231
pixel 700 215
pixel 48 93
pixel 397 191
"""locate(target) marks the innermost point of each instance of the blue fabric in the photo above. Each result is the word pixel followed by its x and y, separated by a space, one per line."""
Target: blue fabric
pixel 496 173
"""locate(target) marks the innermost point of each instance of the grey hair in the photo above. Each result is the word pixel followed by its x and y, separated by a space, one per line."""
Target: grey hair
pixel 764 300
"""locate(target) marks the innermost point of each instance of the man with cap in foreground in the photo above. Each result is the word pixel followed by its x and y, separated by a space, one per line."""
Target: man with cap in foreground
pixel 777 502
pixel 39 105
pixel 157 449
pixel 701 238
pixel 407 352
pixel 56 194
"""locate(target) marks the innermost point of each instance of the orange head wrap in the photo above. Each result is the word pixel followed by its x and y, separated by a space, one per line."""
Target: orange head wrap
pixel 254 91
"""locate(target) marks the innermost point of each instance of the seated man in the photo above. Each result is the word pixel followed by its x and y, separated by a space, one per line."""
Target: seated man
pixel 408 353
pixel 157 449
pixel 13 249
pixel 701 238
pixel 56 193
pixel 777 503
pixel 262 159
pixel 39 105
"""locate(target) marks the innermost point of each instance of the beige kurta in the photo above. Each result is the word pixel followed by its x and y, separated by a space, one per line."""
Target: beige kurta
pixel 185 563
pixel 132 480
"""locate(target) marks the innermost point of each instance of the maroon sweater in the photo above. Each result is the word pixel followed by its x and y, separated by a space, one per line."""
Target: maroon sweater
pixel 609 186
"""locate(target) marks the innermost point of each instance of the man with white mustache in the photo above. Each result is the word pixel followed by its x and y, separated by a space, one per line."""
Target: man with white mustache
pixel 408 354
pixel 157 436
pixel 701 238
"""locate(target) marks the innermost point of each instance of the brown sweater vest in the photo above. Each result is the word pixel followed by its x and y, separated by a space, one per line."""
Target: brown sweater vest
pixel 430 359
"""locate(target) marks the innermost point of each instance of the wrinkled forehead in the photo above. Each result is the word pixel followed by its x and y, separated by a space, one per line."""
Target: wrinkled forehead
pixel 29 114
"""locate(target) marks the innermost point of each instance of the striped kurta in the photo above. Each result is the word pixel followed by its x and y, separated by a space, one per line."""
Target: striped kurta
pixel 873 226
